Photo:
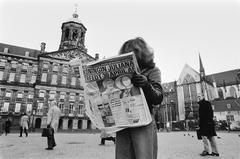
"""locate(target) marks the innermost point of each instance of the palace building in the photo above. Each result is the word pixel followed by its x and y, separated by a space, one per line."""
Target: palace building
pixel 29 78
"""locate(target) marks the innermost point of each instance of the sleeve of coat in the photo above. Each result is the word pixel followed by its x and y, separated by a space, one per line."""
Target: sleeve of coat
pixel 153 90
pixel 49 116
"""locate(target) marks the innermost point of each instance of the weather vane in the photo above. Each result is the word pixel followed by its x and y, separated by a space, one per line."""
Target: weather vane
pixel 76 6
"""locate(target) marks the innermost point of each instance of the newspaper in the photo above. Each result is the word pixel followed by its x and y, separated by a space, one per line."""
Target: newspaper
pixel 112 102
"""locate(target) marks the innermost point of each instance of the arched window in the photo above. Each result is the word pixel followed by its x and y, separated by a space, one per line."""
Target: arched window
pixel 67 33
pixel 232 92
pixel 75 35
pixel 220 93
pixel 189 88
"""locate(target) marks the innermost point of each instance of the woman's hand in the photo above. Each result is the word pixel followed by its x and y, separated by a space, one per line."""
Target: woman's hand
pixel 139 80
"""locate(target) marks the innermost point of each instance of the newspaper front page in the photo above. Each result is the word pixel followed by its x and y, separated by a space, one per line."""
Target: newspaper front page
pixel 112 102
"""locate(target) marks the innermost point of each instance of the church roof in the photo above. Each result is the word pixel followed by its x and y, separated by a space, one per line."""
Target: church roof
pixel 226 105
pixel 17 50
pixel 225 78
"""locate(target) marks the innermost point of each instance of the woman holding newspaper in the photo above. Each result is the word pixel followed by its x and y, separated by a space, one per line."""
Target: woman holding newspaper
pixel 141 142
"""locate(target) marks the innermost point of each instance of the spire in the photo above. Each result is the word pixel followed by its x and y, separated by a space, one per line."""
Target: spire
pixel 202 71
pixel 75 15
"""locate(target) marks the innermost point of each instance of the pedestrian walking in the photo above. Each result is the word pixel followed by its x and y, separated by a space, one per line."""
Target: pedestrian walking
pixel 53 116
pixel 1 126
pixel 141 142
pixel 7 126
pixel 106 136
pixel 24 125
pixel 207 127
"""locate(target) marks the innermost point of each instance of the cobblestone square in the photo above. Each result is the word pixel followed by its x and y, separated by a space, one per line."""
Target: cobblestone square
pixel 172 145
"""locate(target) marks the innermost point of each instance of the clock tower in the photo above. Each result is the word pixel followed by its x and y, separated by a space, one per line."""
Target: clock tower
pixel 73 34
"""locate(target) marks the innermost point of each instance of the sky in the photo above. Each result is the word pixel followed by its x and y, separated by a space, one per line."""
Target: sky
pixel 177 30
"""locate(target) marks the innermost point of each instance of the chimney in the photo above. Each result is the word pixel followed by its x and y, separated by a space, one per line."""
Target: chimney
pixel 5 50
pixel 27 53
pixel 43 46
pixel 96 56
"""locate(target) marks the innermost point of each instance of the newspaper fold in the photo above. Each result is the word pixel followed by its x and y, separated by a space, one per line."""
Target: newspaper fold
pixel 112 102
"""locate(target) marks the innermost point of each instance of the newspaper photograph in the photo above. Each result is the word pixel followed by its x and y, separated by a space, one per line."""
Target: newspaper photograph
pixel 112 102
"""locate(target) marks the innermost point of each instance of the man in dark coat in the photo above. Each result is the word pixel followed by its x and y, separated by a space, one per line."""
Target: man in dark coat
pixel 7 126
pixel 207 127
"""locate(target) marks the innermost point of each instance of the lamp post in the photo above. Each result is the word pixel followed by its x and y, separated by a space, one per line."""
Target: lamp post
pixel 33 114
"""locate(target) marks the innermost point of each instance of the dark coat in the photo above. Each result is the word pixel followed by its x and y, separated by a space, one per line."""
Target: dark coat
pixel 7 126
pixel 153 90
pixel 206 122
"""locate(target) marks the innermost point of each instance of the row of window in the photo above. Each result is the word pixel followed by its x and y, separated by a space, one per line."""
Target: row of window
pixel 5 107
pixel 8 94
pixel 232 92
pixel 55 67
pixel 23 77
pixel 52 95
pixel 54 79
pixel 79 109
pixel 15 65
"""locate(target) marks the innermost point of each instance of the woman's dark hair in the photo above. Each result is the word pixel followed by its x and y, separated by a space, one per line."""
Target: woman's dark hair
pixel 141 50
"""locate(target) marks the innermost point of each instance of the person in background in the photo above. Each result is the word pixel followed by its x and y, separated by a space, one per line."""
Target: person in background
pixel 1 126
pixel 207 127
pixel 24 125
pixel 141 142
pixel 7 126
pixel 53 116
pixel 106 136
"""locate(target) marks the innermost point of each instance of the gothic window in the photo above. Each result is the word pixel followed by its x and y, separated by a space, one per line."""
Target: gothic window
pixel 44 77
pixel 67 34
pixel 11 77
pixel 22 78
pixel 1 75
pixel 220 93
pixel 54 79
pixel 17 107
pixel 232 92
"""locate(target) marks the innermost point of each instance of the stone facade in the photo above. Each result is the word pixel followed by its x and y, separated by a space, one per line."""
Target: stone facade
pixel 29 80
